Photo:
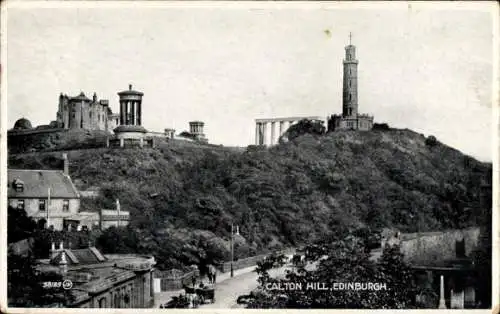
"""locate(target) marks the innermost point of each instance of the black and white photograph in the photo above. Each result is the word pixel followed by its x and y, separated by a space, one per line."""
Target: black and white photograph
pixel 248 155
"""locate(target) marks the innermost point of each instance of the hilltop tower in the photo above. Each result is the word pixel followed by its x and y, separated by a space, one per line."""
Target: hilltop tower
pixel 350 84
pixel 350 119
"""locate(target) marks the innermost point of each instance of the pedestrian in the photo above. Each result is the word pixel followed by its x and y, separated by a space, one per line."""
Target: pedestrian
pixel 193 280
pixel 213 276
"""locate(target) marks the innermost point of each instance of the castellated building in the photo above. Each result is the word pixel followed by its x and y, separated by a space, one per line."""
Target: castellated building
pixel 80 112
pixel 350 119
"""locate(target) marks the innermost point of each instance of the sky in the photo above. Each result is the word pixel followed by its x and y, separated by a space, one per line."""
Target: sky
pixel 426 68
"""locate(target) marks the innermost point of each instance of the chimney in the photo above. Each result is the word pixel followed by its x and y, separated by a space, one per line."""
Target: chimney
pixel 63 264
pixel 129 86
pixel 66 164
pixel 53 251
pixel 94 98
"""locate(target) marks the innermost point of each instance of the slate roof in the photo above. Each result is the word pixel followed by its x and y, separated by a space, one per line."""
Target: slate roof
pixel 82 256
pixel 81 97
pixel 38 182
pixel 130 92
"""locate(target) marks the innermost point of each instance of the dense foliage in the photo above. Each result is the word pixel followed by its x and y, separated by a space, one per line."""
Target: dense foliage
pixel 304 126
pixel 183 197
pixel 343 260
pixel 25 282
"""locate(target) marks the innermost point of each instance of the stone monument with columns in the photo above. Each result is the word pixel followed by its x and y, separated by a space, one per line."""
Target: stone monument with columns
pixel 196 129
pixel 130 132
pixel 261 132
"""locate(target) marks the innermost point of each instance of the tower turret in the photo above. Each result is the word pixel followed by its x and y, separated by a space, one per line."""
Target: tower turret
pixel 350 84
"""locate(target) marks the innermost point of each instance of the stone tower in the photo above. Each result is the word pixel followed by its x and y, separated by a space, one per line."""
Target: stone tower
pixel 350 87
pixel 350 119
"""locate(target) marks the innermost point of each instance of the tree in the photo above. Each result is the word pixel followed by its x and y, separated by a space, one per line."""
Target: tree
pixel 20 226
pixel 381 126
pixel 304 126
pixel 483 254
pixel 398 277
pixel 118 240
pixel 431 141
pixel 342 261
pixel 24 281
pixel 25 285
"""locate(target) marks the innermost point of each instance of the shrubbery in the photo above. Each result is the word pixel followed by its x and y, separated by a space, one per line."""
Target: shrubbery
pixel 282 196
pixel 431 141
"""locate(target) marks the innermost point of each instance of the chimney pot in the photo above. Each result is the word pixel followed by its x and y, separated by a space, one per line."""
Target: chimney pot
pixel 66 164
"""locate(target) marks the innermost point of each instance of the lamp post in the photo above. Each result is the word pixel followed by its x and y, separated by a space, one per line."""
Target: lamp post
pixel 232 246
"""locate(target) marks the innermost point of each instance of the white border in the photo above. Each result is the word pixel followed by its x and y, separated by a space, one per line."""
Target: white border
pixel 487 6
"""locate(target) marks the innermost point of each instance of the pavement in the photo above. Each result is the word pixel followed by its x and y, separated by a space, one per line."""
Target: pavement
pixel 165 296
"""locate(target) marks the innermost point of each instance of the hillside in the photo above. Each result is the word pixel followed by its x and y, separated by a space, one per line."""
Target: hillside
pixel 184 197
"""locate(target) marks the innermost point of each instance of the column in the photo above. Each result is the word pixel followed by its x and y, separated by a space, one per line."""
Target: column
pixel 272 133
pixel 282 124
pixel 139 112
pixel 264 132
pixel 261 134
pixel 442 304
pixel 133 112
pixel 127 109
pixel 122 112
pixel 257 125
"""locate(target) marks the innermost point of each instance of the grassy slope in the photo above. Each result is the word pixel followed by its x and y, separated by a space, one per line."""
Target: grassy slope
pixel 288 194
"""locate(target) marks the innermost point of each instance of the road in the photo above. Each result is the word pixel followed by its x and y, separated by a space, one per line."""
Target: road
pixel 228 291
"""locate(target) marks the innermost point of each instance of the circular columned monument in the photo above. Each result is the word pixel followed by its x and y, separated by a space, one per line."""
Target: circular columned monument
pixel 130 132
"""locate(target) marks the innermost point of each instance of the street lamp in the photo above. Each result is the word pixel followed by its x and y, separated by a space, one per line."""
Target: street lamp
pixel 232 246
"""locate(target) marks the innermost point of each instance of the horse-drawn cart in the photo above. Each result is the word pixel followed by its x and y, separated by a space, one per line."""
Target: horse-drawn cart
pixel 206 294
pixel 203 293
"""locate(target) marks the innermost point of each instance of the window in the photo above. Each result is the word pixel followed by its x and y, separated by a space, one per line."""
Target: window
pixel 102 302
pixel 65 206
pixel 41 205
pixel 19 187
pixel 20 204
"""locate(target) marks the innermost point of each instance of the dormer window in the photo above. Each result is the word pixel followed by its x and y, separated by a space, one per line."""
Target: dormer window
pixel 18 185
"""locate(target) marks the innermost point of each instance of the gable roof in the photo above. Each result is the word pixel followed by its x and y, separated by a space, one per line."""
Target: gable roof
pixel 37 184
pixel 88 255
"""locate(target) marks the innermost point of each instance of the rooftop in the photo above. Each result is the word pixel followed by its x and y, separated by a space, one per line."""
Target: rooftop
pixel 80 97
pixel 130 91
pixel 36 184
pixel 92 272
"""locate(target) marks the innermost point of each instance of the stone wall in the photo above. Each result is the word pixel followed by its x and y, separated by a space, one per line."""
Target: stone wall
pixel 433 248
pixel 247 262
pixel 171 281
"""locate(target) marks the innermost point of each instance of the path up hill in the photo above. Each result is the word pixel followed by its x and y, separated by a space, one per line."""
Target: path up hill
pixel 288 194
